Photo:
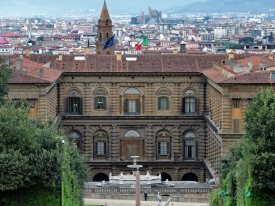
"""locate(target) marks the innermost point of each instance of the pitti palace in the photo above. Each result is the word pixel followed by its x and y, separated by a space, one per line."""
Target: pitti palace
pixel 179 112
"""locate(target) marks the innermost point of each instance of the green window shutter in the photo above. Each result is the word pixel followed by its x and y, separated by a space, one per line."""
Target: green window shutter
pixel 67 105
pixel 126 106
pixel 168 148
pixel 80 106
pixel 158 147
pixel 236 125
pixel 96 149
pixel 196 105
pixel 95 103
pixel 138 106
pixel 183 106
pixel 197 149
pixel 105 148
pixel 104 102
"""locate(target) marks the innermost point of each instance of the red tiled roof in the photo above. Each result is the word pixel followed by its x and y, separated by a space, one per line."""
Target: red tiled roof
pixel 144 63
pixel 32 73
pixel 20 77
pixel 262 77
pixel 214 75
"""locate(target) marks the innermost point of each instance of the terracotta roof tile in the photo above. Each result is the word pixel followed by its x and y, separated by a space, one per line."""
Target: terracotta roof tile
pixel 144 63
pixel 19 77
pixel 214 75
pixel 262 77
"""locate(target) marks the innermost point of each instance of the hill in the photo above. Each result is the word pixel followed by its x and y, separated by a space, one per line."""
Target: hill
pixel 218 6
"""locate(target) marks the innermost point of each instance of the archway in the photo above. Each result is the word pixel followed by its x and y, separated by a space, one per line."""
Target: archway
pixel 100 177
pixel 165 176
pixel 190 177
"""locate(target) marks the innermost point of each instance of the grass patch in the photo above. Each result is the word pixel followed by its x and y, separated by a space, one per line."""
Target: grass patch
pixel 91 205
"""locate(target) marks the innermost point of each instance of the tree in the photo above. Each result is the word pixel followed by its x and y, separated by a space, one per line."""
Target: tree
pixel 31 157
pixel 247 174
pixel 5 74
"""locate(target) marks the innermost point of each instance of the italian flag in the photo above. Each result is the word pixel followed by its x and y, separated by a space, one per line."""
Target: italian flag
pixel 144 42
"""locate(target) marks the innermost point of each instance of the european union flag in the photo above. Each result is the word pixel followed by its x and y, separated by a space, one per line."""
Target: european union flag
pixel 110 42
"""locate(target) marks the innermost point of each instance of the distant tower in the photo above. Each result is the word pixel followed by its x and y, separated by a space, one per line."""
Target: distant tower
pixel 104 31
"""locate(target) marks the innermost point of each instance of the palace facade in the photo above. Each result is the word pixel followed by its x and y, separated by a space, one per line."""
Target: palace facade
pixel 179 113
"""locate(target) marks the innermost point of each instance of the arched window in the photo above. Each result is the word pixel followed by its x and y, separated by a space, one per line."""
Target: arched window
pixel 74 91
pixel 189 91
pixel 132 133
pixel 189 135
pixel 75 139
pixel 132 103
pixel 163 98
pixel 132 91
pixel 74 103
pixel 190 145
pixel 189 102
pixel 100 101
pixel 163 145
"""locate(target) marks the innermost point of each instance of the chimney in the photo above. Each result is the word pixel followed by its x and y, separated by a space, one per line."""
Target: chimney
pixel 60 57
pixel 86 50
pixel 18 64
pixel 175 51
pixel 118 56
pixel 28 52
pixel 231 55
pixel 182 47
pixel 41 72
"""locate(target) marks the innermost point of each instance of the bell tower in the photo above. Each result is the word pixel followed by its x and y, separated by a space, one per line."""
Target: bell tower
pixel 104 32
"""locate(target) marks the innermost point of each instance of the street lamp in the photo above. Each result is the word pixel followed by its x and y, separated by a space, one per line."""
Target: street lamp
pixel 61 188
pixel 135 166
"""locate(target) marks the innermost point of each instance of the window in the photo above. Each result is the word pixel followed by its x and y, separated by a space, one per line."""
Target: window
pixel 100 103
pixel 131 91
pixel 189 91
pixel 273 75
pixel 74 105
pixel 189 149
pixel 236 125
pixel 132 106
pixel 100 148
pixel 31 103
pixel 236 103
pixel 75 139
pixel 163 148
pixel 132 133
pixel 189 105
pixel 163 103
pixel 74 91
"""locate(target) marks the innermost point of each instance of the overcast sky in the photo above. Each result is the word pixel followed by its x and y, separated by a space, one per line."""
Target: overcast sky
pixel 29 7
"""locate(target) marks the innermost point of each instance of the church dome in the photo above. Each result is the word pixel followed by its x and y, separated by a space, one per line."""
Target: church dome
pixel 3 41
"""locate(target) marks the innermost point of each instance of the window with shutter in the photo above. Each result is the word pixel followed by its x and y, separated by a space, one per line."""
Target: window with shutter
pixel 162 103
pixel 236 125
pixel 132 106
pixel 100 148
pixel 126 106
pixel 236 103
pixel 189 149
pixel 74 105
pixel 163 148
pixel 100 103
pixel 190 105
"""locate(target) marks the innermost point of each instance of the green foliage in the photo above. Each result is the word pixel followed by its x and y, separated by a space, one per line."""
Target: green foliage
pixel 248 172
pixel 31 156
pixel 5 74
pixel 36 195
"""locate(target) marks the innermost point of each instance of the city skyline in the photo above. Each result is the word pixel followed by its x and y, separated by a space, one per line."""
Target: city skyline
pixel 32 7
